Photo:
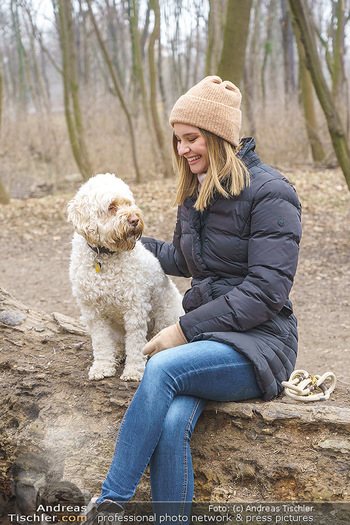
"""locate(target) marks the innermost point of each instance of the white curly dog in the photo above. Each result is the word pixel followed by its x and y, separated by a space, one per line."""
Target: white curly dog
pixel 119 285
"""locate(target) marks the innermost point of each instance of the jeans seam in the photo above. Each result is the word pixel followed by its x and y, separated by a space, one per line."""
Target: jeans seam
pixel 185 485
pixel 120 429
pixel 190 372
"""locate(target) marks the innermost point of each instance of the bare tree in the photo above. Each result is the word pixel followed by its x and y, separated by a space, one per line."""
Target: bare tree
pixel 65 24
pixel 166 164
pixel 267 45
pixel 232 60
pixel 288 52
pixel 4 196
pixel 340 82
pixel 19 79
pixel 137 65
pixel 117 90
pixel 336 129
pixel 308 102
pixel 333 42
pixel 251 67
pixel 214 32
pixel 1 88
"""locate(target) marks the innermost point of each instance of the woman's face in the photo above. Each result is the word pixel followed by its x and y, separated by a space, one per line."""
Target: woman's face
pixel 192 145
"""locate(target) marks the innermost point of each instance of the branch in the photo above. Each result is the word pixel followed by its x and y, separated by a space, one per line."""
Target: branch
pixel 38 37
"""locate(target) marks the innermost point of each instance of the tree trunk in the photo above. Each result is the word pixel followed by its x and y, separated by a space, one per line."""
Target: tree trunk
pixel 161 81
pixel 21 83
pixel 336 129
pixel 74 118
pixel 4 196
pixel 267 45
pixel 307 97
pixel 213 33
pixel 118 92
pixel 251 69
pixel 154 4
pixel 138 75
pixel 1 89
pixel 232 60
pixel 58 428
pixel 338 73
pixel 176 69
pixel 84 62
pixel 197 50
pixel 340 86
pixel 288 53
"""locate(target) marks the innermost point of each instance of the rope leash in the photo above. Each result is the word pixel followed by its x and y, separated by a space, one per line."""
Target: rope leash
pixel 304 387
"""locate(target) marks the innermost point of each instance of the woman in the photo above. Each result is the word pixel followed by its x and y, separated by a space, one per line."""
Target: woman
pixel 237 235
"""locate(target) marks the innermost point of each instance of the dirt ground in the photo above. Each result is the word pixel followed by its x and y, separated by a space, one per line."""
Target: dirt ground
pixel 35 241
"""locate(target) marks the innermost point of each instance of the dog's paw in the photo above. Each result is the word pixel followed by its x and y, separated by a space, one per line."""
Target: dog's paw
pixel 101 370
pixel 132 374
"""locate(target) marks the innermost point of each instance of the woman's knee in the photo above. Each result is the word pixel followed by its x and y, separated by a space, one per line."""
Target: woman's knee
pixel 159 365
pixel 154 367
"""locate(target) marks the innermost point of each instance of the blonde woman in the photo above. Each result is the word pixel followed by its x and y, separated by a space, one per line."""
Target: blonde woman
pixel 237 235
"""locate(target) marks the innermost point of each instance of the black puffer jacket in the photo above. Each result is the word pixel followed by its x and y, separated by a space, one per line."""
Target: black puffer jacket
pixel 242 254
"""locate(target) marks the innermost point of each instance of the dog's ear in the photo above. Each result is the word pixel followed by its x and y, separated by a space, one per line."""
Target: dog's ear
pixel 81 220
pixel 72 212
pixel 76 214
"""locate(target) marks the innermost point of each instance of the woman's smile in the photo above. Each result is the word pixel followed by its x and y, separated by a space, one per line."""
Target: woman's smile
pixel 192 160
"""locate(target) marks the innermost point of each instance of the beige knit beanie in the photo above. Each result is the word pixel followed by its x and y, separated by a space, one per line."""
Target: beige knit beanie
pixel 213 105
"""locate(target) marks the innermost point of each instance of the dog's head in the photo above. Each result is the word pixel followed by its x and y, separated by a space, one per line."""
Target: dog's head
pixel 104 212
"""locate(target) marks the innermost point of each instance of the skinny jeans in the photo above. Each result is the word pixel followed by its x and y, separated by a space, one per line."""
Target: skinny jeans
pixel 158 425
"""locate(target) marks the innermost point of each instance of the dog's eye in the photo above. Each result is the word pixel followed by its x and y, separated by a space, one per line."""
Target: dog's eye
pixel 112 208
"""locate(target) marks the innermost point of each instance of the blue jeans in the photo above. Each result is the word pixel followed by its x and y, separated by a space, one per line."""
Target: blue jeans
pixel 158 425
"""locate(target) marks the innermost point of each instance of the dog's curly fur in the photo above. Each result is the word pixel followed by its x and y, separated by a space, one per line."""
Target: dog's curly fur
pixel 127 292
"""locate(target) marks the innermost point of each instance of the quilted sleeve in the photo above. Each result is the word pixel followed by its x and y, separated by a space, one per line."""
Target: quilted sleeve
pixel 170 258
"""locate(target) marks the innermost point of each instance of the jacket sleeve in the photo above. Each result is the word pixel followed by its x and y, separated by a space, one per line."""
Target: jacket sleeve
pixel 272 261
pixel 171 259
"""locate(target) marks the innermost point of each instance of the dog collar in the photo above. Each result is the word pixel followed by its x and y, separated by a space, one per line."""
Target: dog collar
pixel 99 250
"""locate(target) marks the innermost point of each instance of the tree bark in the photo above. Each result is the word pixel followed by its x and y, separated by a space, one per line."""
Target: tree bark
pixel 210 65
pixel 138 74
pixel 1 89
pixel 4 196
pixel 307 97
pixel 21 82
pixel 340 83
pixel 73 112
pixel 336 129
pixel 251 69
pixel 154 4
pixel 232 60
pixel 288 53
pixel 267 45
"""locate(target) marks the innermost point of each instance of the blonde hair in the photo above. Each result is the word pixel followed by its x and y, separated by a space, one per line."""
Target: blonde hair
pixel 227 173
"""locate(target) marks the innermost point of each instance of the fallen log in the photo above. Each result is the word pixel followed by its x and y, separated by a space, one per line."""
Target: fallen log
pixel 58 428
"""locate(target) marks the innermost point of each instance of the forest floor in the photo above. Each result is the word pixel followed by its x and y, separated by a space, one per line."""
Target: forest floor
pixel 35 239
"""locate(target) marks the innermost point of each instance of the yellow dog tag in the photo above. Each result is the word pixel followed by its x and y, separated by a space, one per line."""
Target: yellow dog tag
pixel 98 267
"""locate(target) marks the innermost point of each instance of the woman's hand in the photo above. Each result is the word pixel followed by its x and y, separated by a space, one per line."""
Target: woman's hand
pixel 166 338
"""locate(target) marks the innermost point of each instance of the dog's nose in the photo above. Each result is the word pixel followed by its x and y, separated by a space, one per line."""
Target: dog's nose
pixel 133 220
